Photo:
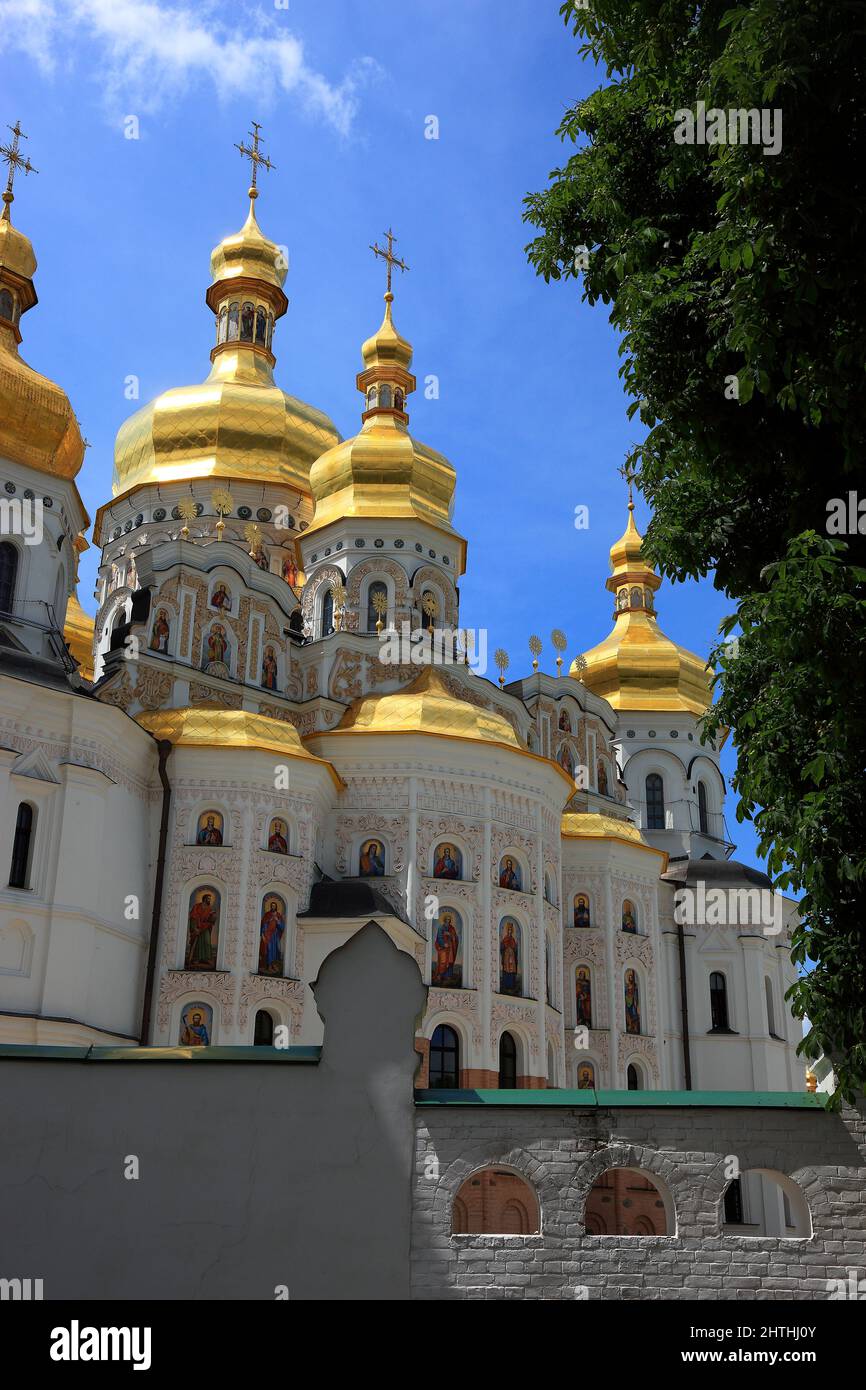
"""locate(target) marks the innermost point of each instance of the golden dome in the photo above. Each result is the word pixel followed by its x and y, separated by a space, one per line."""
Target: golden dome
pixel 382 471
pixel 78 636
pixel 238 423
pixel 637 667
pixel 213 726
pixel 428 706
pixel 249 254
pixel 587 825
pixel 37 423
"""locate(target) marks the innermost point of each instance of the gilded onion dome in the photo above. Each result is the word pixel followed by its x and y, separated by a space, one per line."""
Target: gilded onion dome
pixel 382 471
pixel 637 667
pixel 428 706
pixel 38 427
pixel 214 726
pixel 238 423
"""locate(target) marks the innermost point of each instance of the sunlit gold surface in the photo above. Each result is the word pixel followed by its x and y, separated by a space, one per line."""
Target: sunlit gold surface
pixel 637 667
pixel 428 706
pixel 212 726
pixel 237 424
pixel 37 424
pixel 383 472
pixel 16 250
pixel 78 634
pixel 586 825
pixel 387 346
pixel 248 254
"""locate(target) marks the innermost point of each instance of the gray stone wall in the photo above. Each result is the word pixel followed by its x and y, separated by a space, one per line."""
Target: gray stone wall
pixel 561 1151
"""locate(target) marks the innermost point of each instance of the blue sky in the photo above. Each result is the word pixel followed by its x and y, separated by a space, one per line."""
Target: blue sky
pixel 530 412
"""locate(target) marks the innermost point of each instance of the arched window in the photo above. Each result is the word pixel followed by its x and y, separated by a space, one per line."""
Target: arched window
pixel 22 846
pixel 429 609
pixel 703 819
pixel 328 613
pixel 223 324
pixel 734 1203
pixel 247 319
pixel 633 1077
pixel 655 802
pixel 627 1203
pixel 399 400
pixel 771 1013
pixel 378 587
pixel 636 597
pixel 551 1065
pixel 261 325
pixel 371 398
pixel 8 575
pixel 234 321
pixel 264 1030
pixel 270 329
pixel 7 305
pixel 444 1058
pixel 718 1002
pixel 507 1062
pixel 495 1202
pixel 385 397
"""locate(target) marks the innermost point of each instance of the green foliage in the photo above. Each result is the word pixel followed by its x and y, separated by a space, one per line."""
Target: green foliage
pixel 736 281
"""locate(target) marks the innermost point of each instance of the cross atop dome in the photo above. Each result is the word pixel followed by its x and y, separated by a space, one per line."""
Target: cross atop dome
pixel 255 156
pixel 11 155
pixel 388 257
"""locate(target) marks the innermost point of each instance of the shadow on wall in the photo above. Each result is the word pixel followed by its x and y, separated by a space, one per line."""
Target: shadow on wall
pixel 252 1178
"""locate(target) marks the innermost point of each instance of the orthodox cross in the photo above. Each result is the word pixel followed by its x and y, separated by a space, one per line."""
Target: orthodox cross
pixel 253 155
pixel 11 155
pixel 388 256
pixel 627 472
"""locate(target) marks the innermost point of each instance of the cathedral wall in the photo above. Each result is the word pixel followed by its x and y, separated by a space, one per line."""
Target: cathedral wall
pixel 685 1151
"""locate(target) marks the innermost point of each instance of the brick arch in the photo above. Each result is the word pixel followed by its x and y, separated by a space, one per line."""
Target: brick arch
pixel 374 566
pixel 326 574
pixel 661 1171
pixel 442 584
pixel 517 1161
pixel 764 1158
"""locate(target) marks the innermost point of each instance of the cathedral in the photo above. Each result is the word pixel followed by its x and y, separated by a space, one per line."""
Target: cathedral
pixel 276 729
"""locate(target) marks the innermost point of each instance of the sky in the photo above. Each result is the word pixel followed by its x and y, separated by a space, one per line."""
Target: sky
pixel 530 409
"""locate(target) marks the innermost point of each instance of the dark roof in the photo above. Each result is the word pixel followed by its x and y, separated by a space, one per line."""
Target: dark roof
pixel 725 873
pixel 350 897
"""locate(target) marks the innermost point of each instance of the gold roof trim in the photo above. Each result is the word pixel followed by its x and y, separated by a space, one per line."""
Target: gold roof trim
pixel 78 635
pixel 588 825
pixel 213 726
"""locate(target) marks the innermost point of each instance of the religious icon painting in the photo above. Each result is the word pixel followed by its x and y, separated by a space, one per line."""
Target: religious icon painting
pixel 196 1025
pixel 272 934
pixel 632 1002
pixel 629 921
pixel 278 836
pixel 160 632
pixel 510 970
pixel 216 646
pixel 582 917
pixel 269 669
pixel 565 759
pixel 583 996
pixel 586 1076
pixel 510 874
pixel 371 860
pixel 221 597
pixel 289 571
pixel 447 970
pixel 564 721
pixel 202 931
pixel 447 861
pixel 601 778
pixel 209 830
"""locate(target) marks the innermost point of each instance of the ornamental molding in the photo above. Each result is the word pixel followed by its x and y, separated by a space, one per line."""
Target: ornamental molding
pixel 216 985
pixel 260 989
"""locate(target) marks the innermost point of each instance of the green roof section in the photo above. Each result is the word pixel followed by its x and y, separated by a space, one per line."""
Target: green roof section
pixel 767 1100
pixel 28 1053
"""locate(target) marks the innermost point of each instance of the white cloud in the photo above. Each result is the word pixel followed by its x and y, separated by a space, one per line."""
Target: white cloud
pixel 149 50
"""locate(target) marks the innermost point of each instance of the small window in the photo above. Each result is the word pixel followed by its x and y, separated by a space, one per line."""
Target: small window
pixel 385 397
pixel 247 319
pixel 234 322
pixel 371 398
pixel 8 575
pixel 444 1059
pixel 655 802
pixel 261 326
pixel 223 323
pixel 703 818
pixel 718 1002
pixel 399 399
pixel 632 1077
pixel 328 613
pixel 264 1030
pixel 636 597
pixel 507 1062
pixel 7 306
pixel 377 604
pixel 270 328
pixel 771 1013
pixel 22 845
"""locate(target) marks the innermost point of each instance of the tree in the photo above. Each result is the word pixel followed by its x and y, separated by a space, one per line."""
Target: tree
pixel 735 275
